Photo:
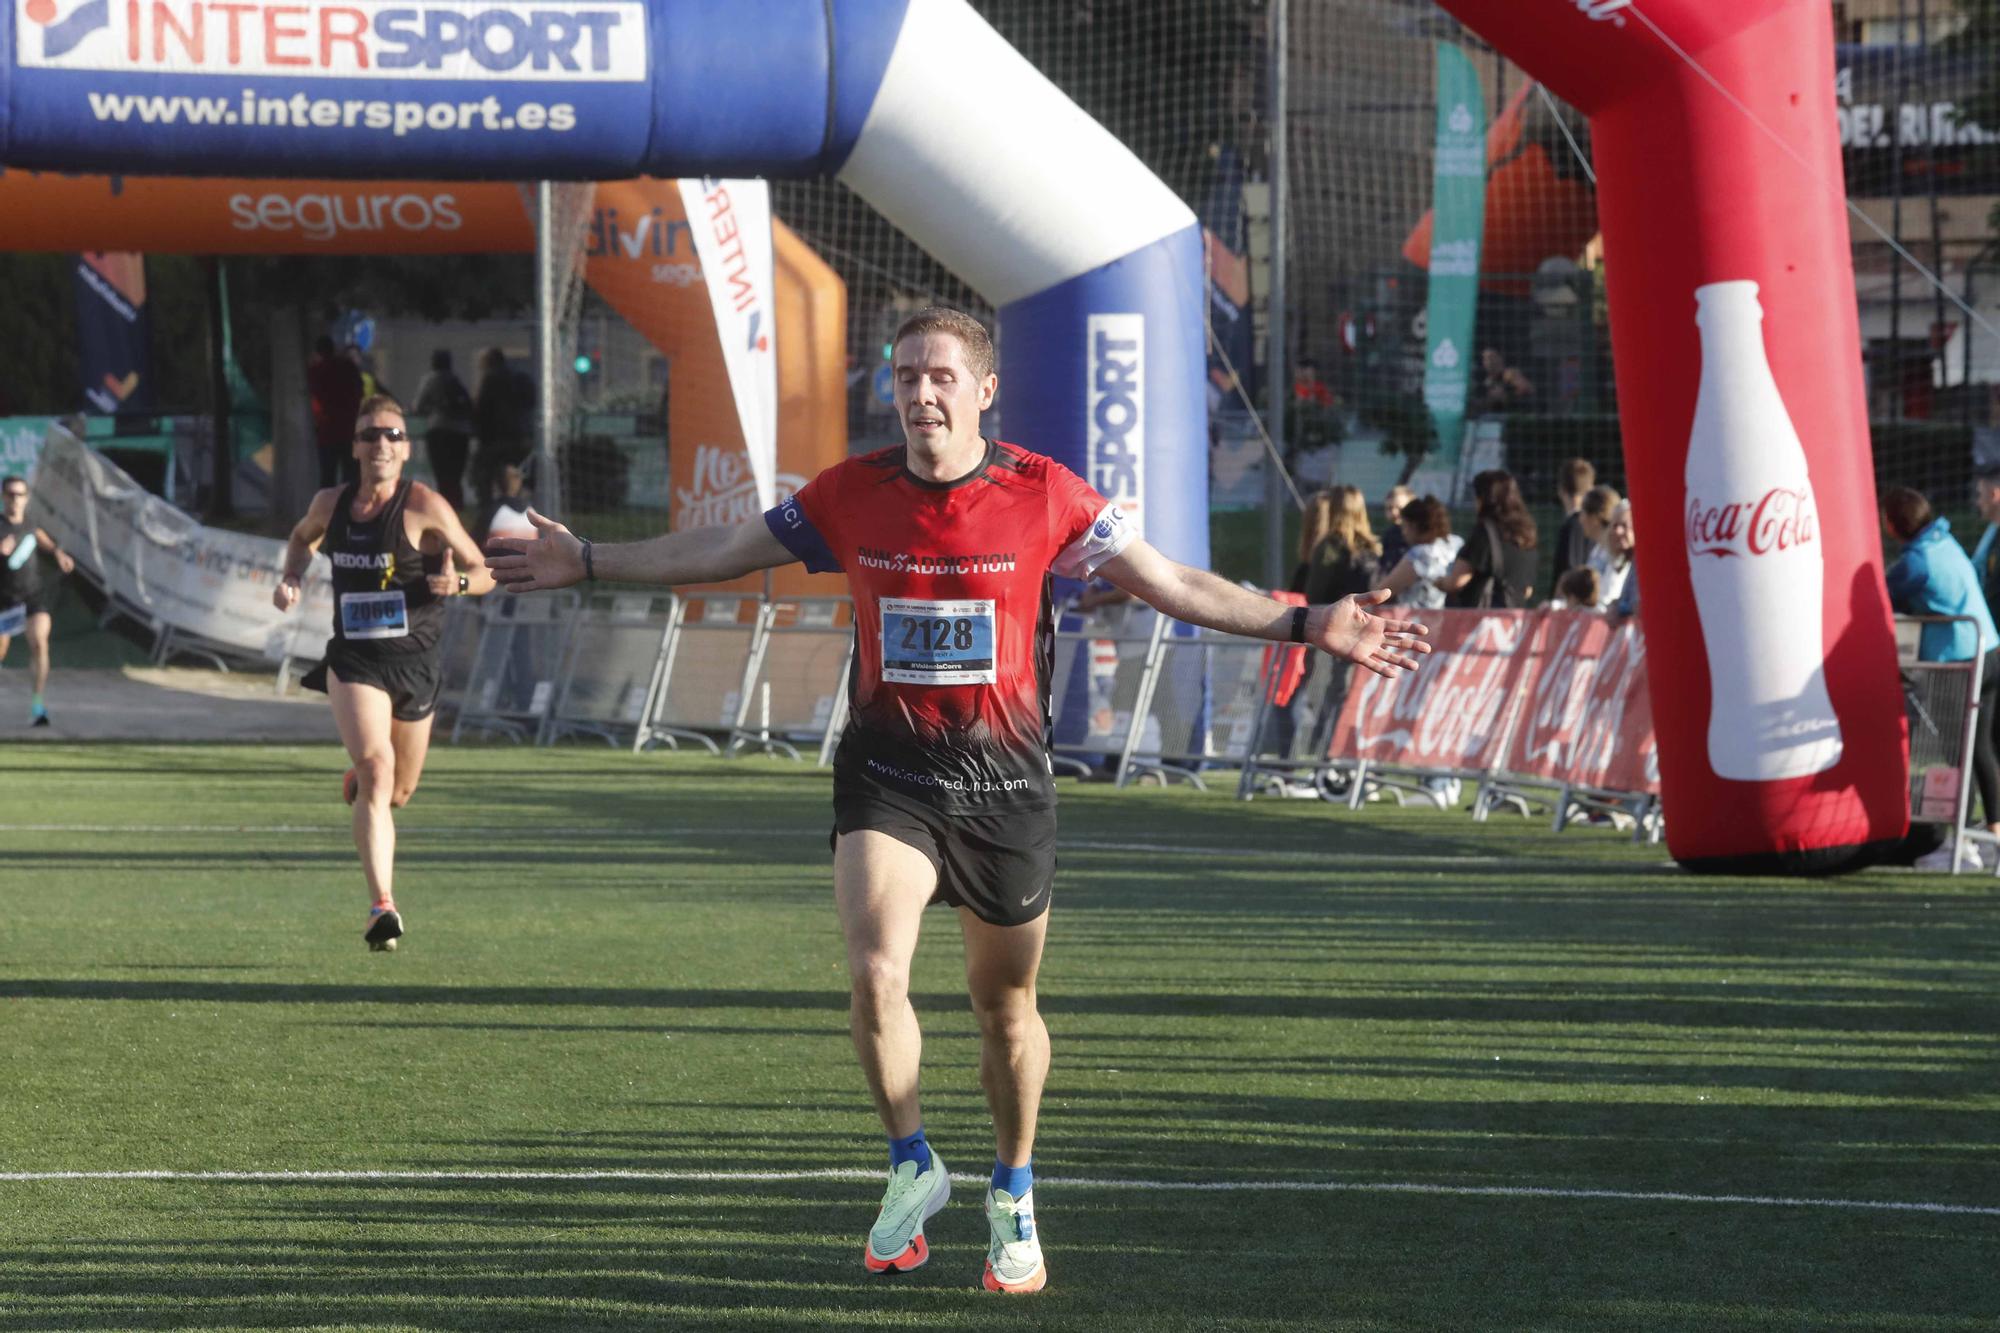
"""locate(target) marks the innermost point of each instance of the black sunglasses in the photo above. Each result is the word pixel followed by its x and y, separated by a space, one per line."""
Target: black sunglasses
pixel 370 434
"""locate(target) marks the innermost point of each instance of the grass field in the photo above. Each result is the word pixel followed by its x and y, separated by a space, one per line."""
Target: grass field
pixel 1313 1069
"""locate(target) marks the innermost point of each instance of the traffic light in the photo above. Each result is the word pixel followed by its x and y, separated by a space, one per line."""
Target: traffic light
pixel 585 363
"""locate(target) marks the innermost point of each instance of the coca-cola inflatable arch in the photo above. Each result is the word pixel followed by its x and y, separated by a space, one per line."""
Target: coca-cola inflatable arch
pixel 1733 320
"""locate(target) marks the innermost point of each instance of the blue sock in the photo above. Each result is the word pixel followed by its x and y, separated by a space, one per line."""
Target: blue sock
pixel 912 1148
pixel 1016 1180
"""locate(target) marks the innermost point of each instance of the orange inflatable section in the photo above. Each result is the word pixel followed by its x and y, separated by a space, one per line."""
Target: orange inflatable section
pixel 641 260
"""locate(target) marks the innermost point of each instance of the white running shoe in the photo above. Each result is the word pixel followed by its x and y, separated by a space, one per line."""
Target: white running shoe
pixel 896 1242
pixel 1940 860
pixel 1014 1254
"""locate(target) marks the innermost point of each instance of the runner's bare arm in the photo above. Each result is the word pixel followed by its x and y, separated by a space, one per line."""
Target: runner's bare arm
pixel 554 556
pixel 63 560
pixel 1346 628
pixel 299 549
pixel 438 519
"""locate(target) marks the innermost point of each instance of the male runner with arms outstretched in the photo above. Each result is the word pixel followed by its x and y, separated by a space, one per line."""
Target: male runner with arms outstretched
pixel 942 786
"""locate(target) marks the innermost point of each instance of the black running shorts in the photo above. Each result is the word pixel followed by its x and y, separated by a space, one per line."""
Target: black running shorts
pixel 411 680
pixel 1001 867
pixel 34 604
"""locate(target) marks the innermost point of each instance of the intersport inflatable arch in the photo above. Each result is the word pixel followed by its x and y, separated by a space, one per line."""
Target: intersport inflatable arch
pixel 1719 188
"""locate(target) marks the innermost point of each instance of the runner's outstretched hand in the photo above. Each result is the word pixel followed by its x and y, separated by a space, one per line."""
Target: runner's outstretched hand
pixel 552 558
pixel 1347 628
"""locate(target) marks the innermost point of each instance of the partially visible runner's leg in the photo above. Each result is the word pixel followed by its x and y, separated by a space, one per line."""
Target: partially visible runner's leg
pixel 1001 963
pixel 362 713
pixel 881 886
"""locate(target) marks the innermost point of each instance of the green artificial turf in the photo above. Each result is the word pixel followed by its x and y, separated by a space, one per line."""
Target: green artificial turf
pixel 630 964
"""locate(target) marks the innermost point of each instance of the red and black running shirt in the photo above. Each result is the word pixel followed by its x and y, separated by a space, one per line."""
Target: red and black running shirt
pixel 952 614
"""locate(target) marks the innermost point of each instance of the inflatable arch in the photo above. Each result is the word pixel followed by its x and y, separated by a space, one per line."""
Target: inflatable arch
pixel 1719 193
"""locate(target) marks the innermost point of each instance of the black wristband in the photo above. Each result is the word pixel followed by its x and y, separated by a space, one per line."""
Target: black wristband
pixel 1298 624
pixel 589 568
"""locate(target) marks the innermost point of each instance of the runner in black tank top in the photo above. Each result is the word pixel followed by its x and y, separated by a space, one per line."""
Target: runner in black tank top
pixel 24 599
pixel 381 668
pixel 383 603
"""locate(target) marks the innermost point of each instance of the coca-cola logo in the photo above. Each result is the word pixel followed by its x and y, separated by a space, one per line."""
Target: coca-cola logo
pixel 1451 709
pixel 1779 520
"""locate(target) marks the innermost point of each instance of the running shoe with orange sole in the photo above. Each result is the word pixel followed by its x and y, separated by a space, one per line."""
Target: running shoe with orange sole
pixel 1014 1254
pixel 896 1242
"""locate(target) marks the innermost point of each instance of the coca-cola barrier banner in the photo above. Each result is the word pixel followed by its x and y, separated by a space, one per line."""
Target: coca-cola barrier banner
pixel 1743 414
pixel 1555 696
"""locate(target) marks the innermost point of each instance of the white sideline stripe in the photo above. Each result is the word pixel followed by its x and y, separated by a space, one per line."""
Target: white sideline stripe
pixel 818 834
pixel 1054 1182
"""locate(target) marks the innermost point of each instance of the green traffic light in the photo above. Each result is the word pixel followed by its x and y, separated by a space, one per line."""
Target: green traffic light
pixel 583 363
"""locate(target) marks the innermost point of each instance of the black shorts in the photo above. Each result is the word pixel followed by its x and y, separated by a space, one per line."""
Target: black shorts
pixel 34 604
pixel 1002 867
pixel 411 680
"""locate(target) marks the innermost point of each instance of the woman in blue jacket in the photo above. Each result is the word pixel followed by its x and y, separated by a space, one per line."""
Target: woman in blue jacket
pixel 1934 577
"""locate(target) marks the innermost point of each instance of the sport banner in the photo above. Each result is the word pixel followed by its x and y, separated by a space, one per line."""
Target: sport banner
pixel 1458 191
pixel 1451 714
pixel 1585 717
pixel 730 223
pixel 159 562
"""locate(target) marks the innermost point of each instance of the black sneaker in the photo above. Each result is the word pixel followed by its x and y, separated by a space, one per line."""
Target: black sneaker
pixel 385 927
pixel 39 720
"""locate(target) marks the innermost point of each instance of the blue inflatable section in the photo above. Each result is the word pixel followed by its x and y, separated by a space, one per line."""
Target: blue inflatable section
pixel 1130 414
pixel 1102 302
pixel 480 89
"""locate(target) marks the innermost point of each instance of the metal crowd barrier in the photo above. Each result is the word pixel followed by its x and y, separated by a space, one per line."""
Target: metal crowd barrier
pixel 1103 667
pixel 799 664
pixel 516 665
pixel 615 645
pixel 700 685
pixel 1942 701
pixel 1200 709
pixel 1290 740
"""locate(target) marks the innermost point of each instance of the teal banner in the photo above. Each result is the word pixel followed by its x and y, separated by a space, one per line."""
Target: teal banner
pixel 1458 215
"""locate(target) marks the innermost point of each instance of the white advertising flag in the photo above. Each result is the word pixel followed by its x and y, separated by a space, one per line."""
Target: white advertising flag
pixel 731 224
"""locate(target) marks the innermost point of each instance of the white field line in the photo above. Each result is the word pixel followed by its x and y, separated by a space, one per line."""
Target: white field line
pixel 816 833
pixel 1050 1182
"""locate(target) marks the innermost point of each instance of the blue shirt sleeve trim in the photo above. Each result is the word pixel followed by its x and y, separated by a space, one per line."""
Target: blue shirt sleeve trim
pixel 789 524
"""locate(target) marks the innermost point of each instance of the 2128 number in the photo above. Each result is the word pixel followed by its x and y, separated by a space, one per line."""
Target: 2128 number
pixel 921 634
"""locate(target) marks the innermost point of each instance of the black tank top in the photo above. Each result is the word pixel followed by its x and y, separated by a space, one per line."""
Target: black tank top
pixel 20 569
pixel 381 600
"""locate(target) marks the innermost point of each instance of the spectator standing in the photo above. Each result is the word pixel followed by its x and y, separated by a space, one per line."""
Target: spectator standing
pixel 1337 549
pixel 1611 558
pixel 505 514
pixel 1573 543
pixel 1497 566
pixel 333 386
pixel 500 414
pixel 1393 541
pixel 446 404
pixel 1624 604
pixel 1431 549
pixel 1934 577
pixel 1576 591
pixel 1986 555
pixel 1501 386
